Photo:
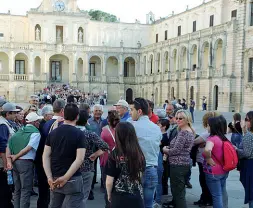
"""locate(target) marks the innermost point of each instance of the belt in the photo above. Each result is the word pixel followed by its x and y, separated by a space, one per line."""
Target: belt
pixel 30 160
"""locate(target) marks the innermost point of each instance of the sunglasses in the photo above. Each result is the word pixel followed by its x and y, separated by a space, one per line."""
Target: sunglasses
pixel 180 119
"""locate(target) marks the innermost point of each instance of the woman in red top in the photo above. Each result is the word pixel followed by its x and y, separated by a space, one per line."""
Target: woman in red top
pixel 108 135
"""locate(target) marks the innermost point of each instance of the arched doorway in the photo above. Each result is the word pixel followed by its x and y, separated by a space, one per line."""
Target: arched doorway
pixel 95 66
pixel 4 63
pixel 59 68
pixel 37 66
pixel 192 92
pixel 129 95
pixel 21 63
pixel 129 67
pixel 205 55
pixel 215 97
pixel 112 68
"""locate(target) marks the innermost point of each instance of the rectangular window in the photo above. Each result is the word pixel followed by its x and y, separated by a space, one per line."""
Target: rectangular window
pixel 125 69
pixel 178 30
pixel 92 69
pixel 250 78
pixel 1 35
pixel 19 67
pixel 166 34
pixel 211 20
pixel 194 26
pixel 56 71
pixel 156 38
pixel 251 14
pixel 234 13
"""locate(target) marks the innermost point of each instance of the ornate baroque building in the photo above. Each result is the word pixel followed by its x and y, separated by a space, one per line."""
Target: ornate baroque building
pixel 204 51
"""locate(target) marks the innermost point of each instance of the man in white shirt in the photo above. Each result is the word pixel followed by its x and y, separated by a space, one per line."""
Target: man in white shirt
pixel 23 146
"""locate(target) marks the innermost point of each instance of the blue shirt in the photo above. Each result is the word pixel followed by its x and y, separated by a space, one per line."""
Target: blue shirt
pixel 95 125
pixel 125 117
pixel 149 136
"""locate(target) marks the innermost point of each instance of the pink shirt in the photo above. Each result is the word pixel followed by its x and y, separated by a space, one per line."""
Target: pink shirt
pixel 107 137
pixel 217 156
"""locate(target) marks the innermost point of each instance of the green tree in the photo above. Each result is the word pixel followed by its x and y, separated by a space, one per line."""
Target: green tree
pixel 102 16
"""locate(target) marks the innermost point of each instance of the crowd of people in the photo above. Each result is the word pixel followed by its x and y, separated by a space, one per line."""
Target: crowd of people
pixel 142 154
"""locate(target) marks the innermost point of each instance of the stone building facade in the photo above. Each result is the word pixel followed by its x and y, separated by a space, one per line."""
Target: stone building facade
pixel 204 51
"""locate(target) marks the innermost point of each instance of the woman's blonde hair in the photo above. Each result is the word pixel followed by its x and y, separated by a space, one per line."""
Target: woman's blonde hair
pixel 210 114
pixel 187 116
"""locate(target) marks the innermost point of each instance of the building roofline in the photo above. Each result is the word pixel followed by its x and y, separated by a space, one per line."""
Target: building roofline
pixel 189 10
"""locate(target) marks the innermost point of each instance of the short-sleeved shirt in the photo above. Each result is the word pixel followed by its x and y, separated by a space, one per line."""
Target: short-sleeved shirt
pixel 64 142
pixel 200 157
pixel 217 156
pixel 34 143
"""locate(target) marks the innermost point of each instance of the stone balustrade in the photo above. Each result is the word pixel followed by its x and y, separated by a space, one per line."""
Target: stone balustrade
pixel 173 76
pixel 112 79
pixel 95 79
pixel 204 73
pixel 193 74
pixel 20 77
pixel 129 80
pixel 4 77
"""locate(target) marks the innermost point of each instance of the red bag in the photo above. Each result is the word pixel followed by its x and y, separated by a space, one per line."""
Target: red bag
pixel 230 156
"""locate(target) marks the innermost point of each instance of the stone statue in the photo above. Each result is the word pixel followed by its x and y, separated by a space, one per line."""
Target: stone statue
pixel 80 36
pixel 37 36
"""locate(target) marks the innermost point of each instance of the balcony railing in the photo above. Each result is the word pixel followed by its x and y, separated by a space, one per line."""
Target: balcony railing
pixel 95 79
pixel 129 80
pixel 203 73
pixel 112 79
pixel 193 74
pixel 20 77
pixel 4 77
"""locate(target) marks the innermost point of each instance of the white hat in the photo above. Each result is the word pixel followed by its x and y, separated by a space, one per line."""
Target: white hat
pixel 122 103
pixel 31 117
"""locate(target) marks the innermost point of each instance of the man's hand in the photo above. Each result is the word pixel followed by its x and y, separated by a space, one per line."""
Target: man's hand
pixel 60 182
pixel 13 158
pixel 210 162
pixel 51 183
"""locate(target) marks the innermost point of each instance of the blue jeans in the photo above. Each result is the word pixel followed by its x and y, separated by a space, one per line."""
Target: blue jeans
pixel 217 186
pixel 150 181
pixel 159 187
pixel 192 113
pixel 251 204
pixel 236 139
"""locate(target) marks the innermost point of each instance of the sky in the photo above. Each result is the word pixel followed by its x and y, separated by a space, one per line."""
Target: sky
pixel 127 11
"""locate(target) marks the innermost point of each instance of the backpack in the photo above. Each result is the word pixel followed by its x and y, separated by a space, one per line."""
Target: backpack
pixel 230 156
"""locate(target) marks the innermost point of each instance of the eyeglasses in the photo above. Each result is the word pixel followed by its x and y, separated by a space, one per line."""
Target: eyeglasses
pixel 180 119
pixel 246 119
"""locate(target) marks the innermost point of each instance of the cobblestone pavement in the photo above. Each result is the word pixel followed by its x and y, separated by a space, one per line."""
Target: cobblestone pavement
pixel 234 187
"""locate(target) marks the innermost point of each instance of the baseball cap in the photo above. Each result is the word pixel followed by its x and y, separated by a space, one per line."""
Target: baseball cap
pixel 31 117
pixel 9 107
pixel 2 101
pixel 34 97
pixel 122 103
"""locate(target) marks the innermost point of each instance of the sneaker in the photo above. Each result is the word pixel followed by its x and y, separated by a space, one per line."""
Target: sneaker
pixel 156 205
pixel 170 204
